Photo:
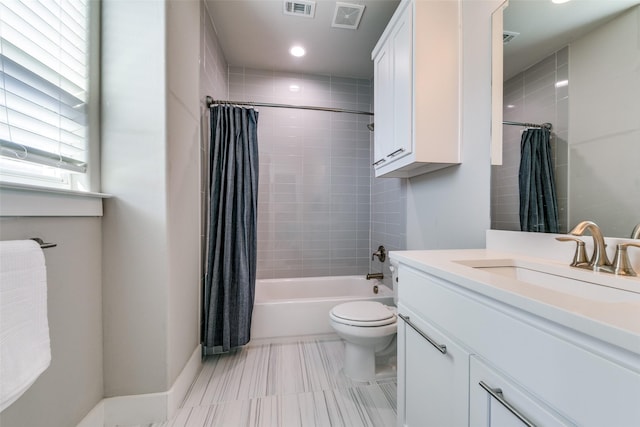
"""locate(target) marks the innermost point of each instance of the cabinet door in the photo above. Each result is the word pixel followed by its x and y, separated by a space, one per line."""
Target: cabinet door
pixel 383 106
pixel 401 41
pixel 495 401
pixel 432 385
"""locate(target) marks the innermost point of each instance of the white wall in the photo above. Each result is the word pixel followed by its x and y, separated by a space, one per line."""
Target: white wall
pixel 151 164
pixel 183 181
pixel 450 208
pixel 135 273
pixel 604 126
pixel 72 384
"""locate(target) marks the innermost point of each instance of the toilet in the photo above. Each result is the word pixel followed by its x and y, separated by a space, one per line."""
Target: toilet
pixel 368 329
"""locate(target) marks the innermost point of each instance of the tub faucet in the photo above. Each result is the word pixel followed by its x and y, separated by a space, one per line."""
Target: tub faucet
pixel 599 260
pixel 635 234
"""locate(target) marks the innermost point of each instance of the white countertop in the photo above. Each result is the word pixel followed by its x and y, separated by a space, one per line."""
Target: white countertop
pixel 609 314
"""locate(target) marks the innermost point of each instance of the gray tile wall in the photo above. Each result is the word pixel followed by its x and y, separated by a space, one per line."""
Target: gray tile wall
pixel 388 219
pixel 314 193
pixel 533 96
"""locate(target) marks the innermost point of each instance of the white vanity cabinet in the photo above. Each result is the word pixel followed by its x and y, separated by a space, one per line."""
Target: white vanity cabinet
pixel 416 90
pixel 548 373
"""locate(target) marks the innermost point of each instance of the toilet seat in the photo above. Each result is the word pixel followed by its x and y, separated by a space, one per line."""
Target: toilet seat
pixel 363 313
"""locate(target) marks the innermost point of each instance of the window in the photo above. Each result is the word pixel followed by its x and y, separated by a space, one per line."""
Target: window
pixel 44 92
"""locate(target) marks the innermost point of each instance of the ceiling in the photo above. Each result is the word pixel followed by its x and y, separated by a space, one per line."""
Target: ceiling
pixel 257 34
pixel 545 27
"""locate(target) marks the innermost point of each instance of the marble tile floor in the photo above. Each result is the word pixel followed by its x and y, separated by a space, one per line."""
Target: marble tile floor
pixel 288 384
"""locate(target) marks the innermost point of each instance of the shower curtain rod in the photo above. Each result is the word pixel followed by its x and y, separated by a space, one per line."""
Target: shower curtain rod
pixel 529 125
pixel 211 101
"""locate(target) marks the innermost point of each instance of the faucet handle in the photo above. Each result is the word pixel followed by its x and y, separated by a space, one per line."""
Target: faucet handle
pixel 580 256
pixel 381 253
pixel 621 264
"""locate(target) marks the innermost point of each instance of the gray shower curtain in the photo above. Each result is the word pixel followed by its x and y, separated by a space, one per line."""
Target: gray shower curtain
pixel 538 202
pixel 230 266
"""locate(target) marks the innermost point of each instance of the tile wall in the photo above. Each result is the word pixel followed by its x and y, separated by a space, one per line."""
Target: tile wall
pixel 388 219
pixel 536 95
pixel 315 173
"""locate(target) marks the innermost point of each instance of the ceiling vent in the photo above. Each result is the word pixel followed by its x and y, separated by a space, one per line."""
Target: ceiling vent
pixel 507 36
pixel 347 15
pixel 304 8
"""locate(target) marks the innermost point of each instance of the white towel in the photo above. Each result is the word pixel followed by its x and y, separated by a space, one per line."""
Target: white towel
pixel 25 350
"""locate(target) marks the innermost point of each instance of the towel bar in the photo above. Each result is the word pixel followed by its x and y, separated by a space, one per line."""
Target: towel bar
pixel 42 244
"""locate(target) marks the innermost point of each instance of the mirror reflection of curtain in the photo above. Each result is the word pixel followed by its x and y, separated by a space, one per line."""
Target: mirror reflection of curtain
pixel 538 201
pixel 230 271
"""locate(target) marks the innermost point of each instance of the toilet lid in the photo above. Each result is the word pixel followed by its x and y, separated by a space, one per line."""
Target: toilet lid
pixel 365 313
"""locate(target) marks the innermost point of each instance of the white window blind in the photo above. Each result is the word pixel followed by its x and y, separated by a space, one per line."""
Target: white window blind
pixel 44 81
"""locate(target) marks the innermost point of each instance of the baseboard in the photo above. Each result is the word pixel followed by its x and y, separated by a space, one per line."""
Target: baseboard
pixel 144 408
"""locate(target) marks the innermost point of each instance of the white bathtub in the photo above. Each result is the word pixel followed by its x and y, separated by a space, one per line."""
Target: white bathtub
pixel 300 306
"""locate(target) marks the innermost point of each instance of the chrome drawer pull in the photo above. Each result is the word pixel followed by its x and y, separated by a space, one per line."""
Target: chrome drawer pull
pixel 441 347
pixel 398 151
pixel 379 161
pixel 496 393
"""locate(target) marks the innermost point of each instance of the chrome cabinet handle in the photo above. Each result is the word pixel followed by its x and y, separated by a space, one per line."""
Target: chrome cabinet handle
pixel 441 347
pixel 379 161
pixel 398 151
pixel 496 393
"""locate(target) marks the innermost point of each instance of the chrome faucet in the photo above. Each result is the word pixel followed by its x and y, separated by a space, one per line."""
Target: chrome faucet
pixel 599 260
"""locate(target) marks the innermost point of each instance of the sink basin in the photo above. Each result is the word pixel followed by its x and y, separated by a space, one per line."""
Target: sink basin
pixel 584 284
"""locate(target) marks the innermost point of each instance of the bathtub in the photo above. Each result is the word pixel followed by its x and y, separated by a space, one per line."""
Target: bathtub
pixel 293 307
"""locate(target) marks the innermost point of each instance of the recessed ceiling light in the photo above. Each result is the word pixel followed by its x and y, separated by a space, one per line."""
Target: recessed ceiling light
pixel 560 1
pixel 297 51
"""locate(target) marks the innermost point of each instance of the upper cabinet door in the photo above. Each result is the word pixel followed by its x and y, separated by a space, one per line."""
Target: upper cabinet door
pixel 401 44
pixel 383 106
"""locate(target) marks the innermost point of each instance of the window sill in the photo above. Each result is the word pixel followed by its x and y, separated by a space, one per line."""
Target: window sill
pixel 27 200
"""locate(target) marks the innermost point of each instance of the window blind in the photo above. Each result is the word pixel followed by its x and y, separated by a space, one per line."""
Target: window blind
pixel 44 81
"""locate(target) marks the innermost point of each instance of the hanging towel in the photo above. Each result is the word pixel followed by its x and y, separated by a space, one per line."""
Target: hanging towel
pixel 25 350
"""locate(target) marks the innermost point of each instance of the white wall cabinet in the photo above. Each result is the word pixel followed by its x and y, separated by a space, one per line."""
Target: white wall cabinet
pixel 416 90
pixel 552 375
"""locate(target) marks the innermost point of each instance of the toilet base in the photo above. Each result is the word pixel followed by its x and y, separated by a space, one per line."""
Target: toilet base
pixel 360 363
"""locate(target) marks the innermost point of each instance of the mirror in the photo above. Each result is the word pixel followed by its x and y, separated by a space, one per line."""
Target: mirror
pixel 577 66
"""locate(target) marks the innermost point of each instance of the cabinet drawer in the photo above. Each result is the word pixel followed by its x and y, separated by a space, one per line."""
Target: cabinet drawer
pixel 584 386
pixel 495 401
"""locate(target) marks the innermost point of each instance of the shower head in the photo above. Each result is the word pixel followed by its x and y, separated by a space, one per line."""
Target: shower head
pixel 370 127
